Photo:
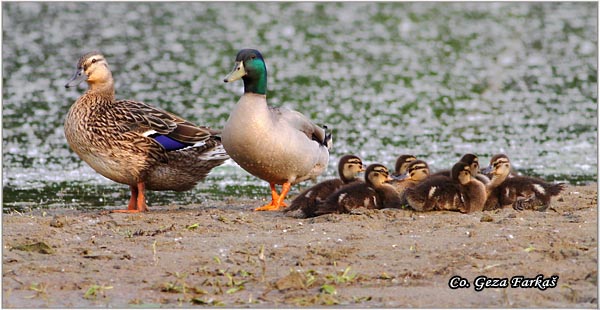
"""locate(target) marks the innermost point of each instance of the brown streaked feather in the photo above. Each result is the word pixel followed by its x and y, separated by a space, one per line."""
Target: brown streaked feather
pixel 140 117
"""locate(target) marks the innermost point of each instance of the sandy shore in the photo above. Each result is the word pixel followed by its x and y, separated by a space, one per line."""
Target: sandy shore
pixel 222 253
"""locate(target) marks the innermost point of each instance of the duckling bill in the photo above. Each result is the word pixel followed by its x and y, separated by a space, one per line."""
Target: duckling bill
pixel 401 166
pixel 278 145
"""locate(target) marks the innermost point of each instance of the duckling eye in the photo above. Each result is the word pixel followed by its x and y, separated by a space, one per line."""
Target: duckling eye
pixel 94 60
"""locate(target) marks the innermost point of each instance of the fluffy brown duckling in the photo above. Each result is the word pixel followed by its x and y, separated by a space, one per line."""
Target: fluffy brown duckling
pixel 473 162
pixel 520 192
pixel 460 192
pixel 401 166
pixel 349 167
pixel 488 170
pixel 374 193
pixel 416 172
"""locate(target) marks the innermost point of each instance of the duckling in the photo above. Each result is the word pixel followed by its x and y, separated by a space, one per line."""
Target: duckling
pixel 473 161
pixel 134 143
pixel 401 166
pixel 278 145
pixel 417 171
pixel 520 192
pixel 488 170
pixel 371 194
pixel 348 168
pixel 461 192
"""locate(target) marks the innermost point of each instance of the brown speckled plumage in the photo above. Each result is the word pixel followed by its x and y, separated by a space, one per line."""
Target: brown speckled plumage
pixel 113 137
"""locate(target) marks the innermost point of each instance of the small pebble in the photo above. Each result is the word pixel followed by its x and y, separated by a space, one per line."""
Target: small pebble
pixel 486 218
pixel 57 222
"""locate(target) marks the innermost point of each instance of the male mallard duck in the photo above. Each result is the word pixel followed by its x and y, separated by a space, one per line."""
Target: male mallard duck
pixel 348 169
pixel 473 162
pixel 278 145
pixel 374 193
pixel 416 171
pixel 461 192
pixel 133 143
pixel 520 192
pixel 401 166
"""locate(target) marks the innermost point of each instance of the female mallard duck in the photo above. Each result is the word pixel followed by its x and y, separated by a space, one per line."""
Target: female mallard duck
pixel 473 162
pixel 278 145
pixel 374 193
pixel 461 192
pixel 416 172
pixel 520 192
pixel 348 169
pixel 401 166
pixel 133 143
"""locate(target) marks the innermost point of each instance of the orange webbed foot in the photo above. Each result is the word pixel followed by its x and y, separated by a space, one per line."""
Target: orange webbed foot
pixel 127 211
pixel 272 207
pixel 277 202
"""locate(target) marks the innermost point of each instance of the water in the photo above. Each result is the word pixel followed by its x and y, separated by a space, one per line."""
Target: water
pixel 435 80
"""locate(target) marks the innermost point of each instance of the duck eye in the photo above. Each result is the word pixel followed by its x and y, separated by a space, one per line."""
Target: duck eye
pixel 94 60
pixel 253 57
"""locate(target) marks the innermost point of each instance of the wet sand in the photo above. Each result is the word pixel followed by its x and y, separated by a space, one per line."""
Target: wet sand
pixel 222 253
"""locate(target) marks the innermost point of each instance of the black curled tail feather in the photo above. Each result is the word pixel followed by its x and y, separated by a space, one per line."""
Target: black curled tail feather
pixel 328 140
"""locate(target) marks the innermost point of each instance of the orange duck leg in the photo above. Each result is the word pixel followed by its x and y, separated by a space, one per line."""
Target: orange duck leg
pixel 137 202
pixel 277 202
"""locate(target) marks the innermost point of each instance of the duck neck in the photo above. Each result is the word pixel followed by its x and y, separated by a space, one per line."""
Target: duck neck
pixel 374 184
pixel 496 181
pixel 256 81
pixel 104 89
pixel 346 176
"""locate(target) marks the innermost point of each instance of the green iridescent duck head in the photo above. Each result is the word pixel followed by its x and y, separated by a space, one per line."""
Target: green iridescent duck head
pixel 251 68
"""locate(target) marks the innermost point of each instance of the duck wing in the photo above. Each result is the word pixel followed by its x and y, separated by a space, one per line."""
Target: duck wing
pixel 147 120
pixel 297 120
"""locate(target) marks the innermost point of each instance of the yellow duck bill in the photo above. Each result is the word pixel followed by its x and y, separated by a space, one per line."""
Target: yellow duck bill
pixel 237 73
